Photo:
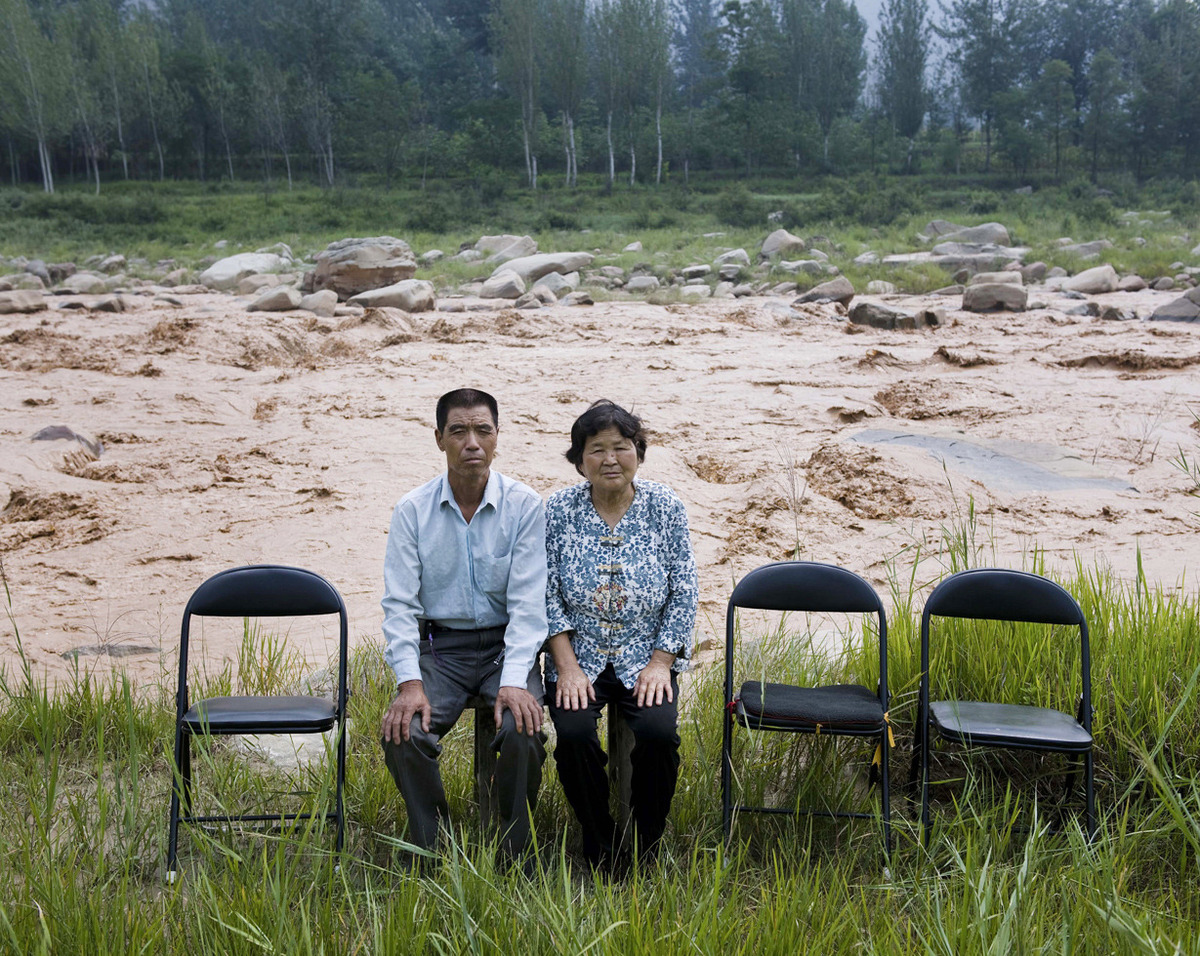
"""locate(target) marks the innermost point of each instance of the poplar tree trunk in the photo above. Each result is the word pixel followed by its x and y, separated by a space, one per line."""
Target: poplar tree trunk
pixel 612 162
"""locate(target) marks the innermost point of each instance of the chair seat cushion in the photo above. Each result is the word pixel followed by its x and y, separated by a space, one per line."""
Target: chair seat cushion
pixel 839 708
pixel 1009 725
pixel 260 715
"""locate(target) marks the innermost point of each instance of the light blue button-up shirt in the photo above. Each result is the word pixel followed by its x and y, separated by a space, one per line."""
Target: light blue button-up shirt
pixel 488 573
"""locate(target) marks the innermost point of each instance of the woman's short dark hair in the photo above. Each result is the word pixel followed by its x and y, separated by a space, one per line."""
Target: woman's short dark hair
pixel 599 416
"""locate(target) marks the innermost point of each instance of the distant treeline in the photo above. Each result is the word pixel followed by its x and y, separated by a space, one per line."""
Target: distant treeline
pixel 331 90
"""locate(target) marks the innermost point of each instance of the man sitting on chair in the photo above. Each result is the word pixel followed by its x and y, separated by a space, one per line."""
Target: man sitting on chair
pixel 464 615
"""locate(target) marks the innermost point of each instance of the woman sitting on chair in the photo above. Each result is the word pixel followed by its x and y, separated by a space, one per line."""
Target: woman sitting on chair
pixel 621 604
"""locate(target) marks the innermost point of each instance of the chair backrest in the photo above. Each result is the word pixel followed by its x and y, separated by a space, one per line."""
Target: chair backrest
pixel 1001 594
pixel 998 594
pixel 264 590
pixel 805 586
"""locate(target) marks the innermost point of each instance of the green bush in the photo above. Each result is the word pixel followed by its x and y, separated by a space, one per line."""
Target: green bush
pixel 736 206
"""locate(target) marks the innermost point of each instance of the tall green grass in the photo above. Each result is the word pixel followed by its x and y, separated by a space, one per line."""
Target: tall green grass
pixel 85 775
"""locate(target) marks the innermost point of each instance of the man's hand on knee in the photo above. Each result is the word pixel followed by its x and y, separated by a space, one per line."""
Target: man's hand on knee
pixel 526 710
pixel 410 701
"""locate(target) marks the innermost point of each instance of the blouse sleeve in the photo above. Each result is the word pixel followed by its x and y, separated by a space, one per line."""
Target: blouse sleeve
pixel 556 609
pixel 679 613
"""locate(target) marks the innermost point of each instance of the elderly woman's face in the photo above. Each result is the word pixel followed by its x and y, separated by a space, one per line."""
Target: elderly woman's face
pixel 610 460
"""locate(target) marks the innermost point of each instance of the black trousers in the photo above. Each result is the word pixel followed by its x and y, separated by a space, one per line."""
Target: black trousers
pixel 581 762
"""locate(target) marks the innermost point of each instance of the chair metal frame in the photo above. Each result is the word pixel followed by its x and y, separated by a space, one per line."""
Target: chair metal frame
pixel 999 594
pixel 806 586
pixel 257 591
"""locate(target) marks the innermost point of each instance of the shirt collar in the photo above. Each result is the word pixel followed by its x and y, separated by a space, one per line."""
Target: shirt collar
pixel 491 492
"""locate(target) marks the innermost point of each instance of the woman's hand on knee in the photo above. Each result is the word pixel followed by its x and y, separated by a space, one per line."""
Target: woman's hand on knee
pixel 573 691
pixel 653 684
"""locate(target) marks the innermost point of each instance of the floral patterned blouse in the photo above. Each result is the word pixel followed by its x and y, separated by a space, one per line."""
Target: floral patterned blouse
pixel 624 593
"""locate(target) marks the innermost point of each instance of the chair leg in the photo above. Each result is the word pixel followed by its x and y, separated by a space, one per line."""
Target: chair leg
pixel 1089 787
pixel 885 796
pixel 924 784
pixel 177 788
pixel 726 774
pixel 340 784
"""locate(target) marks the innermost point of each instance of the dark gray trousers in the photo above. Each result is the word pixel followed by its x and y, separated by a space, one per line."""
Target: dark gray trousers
pixel 454 668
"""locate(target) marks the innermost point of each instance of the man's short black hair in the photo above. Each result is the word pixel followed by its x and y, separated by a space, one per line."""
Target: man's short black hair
pixel 600 415
pixel 465 398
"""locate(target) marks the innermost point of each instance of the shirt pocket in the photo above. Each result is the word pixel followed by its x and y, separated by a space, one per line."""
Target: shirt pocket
pixel 491 573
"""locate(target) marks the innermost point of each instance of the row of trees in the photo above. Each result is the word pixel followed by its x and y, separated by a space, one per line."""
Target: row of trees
pixel 205 88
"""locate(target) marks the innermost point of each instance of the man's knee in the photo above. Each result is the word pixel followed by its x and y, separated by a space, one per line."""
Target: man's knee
pixel 511 742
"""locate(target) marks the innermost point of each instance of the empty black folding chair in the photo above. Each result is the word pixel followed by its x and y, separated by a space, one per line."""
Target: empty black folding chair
pixel 846 710
pixel 257 591
pixel 994 594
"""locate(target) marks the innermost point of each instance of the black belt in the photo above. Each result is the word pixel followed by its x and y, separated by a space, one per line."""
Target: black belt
pixel 432 629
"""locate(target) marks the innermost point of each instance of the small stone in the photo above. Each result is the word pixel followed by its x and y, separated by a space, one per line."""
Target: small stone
pixel 577 298
pixel 1163 284
pixel 1131 284
pixel 880 287
pixel 634 246
pixel 696 272
pixel 277 299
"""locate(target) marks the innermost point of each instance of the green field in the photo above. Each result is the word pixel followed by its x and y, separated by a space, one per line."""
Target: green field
pixel 183 220
pixel 86 778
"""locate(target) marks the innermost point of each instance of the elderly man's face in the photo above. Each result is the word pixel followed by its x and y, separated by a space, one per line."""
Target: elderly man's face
pixel 469 441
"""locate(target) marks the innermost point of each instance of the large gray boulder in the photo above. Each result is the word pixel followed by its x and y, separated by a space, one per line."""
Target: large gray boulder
pixel 836 290
pixel 22 300
pixel 1087 250
pixel 411 295
pixel 812 267
pixel 642 284
pixel 880 316
pixel 351 266
pixel 1093 281
pixel 941 227
pixel 518 249
pixel 988 232
pixel 505 284
pixel 1180 310
pixel 558 283
pixel 224 274
pixel 996 295
pixel 532 268
pixel 994 278
pixel 277 299
pixel 489 245
pixel 82 283
pixel 781 243
pixel 323 303
pixel 736 256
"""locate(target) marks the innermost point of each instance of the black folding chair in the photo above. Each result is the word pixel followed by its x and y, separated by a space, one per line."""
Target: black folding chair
pixel 257 591
pixel 843 710
pixel 994 594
